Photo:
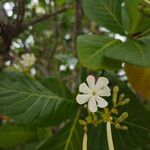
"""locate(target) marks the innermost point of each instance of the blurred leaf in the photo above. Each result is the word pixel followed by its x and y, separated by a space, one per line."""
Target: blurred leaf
pixel 139 79
pixel 28 102
pixel 139 22
pixel 67 59
pixel 13 135
pixel 133 52
pixel 91 50
pixel 69 139
pixel 106 13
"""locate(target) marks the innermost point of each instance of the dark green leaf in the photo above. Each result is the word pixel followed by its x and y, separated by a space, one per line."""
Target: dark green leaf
pixel 28 102
pixel 97 137
pixel 106 13
pixel 91 50
pixel 13 135
pixel 69 139
pixel 132 52
pixel 57 87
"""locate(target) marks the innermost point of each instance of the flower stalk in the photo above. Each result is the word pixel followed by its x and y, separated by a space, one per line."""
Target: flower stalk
pixel 109 136
pixel 85 138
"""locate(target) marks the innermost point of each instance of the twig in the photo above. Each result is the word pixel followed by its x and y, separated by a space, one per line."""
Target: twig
pixel 44 17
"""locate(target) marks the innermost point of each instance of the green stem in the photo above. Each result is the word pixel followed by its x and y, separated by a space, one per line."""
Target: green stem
pixel 109 136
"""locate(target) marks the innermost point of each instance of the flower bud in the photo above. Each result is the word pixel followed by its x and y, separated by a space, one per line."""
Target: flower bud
pixel 85 128
pixel 122 117
pixel 121 97
pixel 125 115
pixel 117 126
pixel 116 89
pixel 82 122
pixel 115 94
pixel 114 111
pixel 124 102
pixel 124 128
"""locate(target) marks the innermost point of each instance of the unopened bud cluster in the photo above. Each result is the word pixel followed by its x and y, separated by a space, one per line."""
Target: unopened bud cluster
pixel 112 115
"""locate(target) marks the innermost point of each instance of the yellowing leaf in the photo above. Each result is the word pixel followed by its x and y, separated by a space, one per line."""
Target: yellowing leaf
pixel 139 79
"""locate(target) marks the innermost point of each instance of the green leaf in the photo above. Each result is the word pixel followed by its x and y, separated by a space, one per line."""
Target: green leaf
pixel 13 135
pixel 29 102
pixel 138 123
pixel 91 50
pixel 106 13
pixel 133 52
pixel 125 18
pixel 69 139
pixel 138 21
pixel 57 87
pixel 97 138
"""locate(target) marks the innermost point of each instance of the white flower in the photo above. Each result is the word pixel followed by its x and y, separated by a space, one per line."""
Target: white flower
pixel 28 60
pixel 93 93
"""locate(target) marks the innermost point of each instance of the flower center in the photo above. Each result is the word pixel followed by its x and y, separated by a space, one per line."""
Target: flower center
pixel 93 93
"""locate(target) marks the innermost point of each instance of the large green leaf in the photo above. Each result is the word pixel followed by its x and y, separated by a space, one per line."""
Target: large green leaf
pixel 133 52
pixel 29 102
pixel 69 139
pixel 97 138
pixel 91 50
pixel 138 125
pixel 138 21
pixel 13 135
pixel 106 13
pixel 57 87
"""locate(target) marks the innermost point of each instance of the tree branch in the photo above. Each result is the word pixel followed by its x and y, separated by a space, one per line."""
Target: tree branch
pixel 8 32
pixel 77 22
pixel 44 17
pixel 20 13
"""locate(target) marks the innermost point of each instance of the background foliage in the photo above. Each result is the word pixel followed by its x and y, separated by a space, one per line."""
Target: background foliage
pixel 72 39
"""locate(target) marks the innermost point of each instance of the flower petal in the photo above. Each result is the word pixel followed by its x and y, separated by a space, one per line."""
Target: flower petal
pixel 91 81
pixel 102 103
pixel 82 98
pixel 83 88
pixel 92 104
pixel 101 82
pixel 105 91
